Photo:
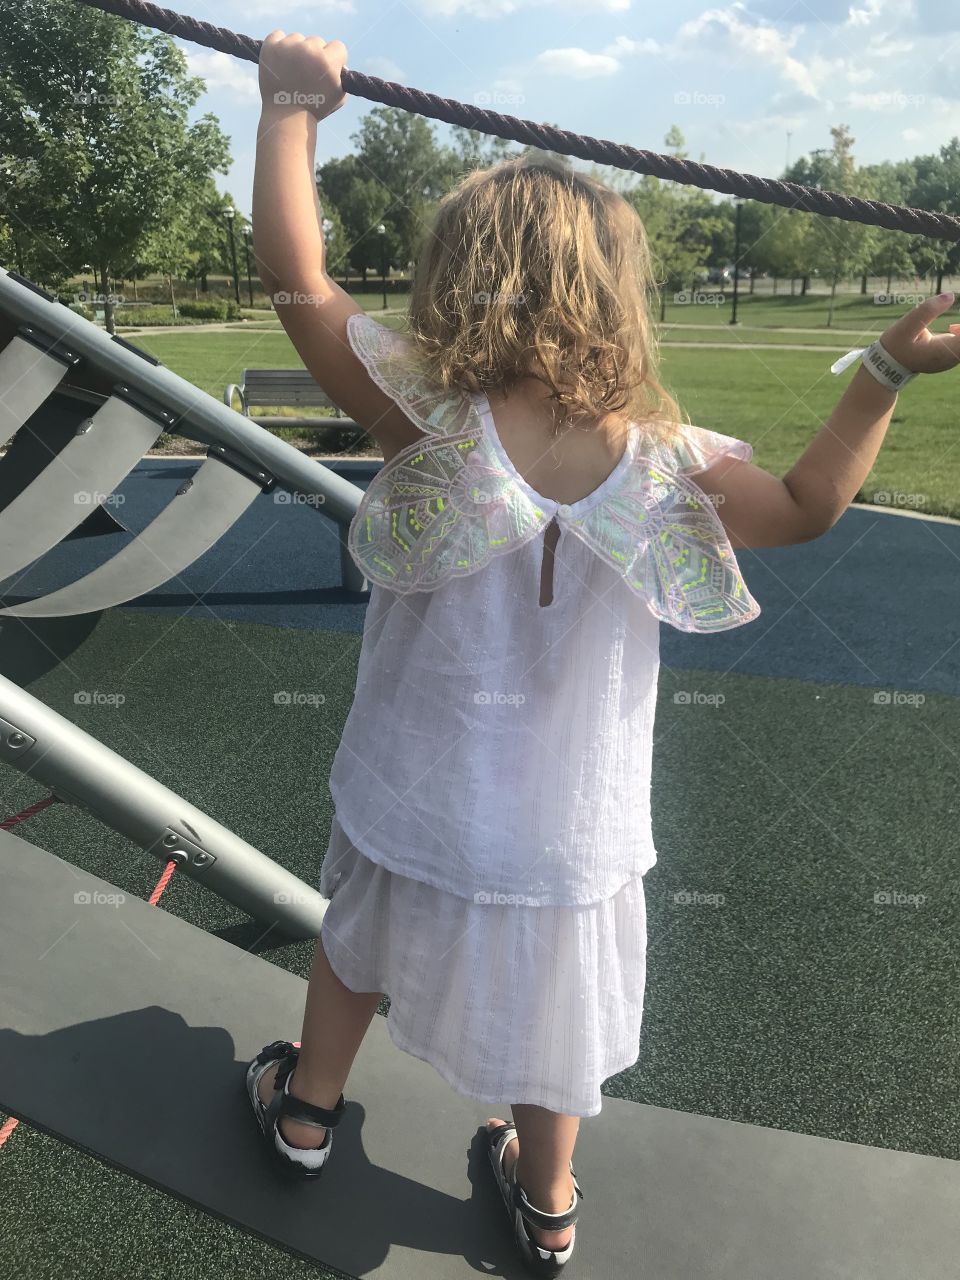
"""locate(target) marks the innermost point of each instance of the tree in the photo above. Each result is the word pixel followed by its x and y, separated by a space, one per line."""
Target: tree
pixel 360 202
pixel 470 149
pixel 893 183
pixel 937 184
pixel 101 106
pixel 681 223
pixel 399 153
pixel 839 248
pixel 786 246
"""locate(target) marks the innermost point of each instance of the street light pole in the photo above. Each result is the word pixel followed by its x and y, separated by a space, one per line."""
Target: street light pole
pixel 247 233
pixel 738 201
pixel 229 213
pixel 382 233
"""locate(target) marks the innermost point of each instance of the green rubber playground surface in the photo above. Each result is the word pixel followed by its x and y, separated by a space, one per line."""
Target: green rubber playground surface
pixel 780 991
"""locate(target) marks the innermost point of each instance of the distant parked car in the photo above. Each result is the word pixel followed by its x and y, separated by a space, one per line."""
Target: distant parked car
pixel 719 275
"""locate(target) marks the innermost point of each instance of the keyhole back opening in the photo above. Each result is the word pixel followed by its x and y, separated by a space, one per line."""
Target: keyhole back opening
pixel 550 537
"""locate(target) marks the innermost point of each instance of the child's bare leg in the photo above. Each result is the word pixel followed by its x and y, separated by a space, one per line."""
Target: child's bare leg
pixel 546 1140
pixel 335 1021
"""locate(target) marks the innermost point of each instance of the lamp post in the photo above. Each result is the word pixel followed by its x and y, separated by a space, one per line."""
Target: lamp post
pixel 247 237
pixel 229 213
pixel 382 233
pixel 738 201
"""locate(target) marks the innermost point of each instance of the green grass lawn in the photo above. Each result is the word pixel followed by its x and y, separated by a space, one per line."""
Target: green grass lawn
pixel 777 400
pixel 852 311
pixel 841 340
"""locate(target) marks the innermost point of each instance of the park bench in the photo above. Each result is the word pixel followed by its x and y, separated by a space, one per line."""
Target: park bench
pixel 285 388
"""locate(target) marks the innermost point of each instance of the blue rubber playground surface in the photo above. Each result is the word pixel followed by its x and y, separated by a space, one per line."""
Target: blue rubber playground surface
pixel 803 969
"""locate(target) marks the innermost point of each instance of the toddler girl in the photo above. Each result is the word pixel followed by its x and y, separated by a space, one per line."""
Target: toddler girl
pixel 541 509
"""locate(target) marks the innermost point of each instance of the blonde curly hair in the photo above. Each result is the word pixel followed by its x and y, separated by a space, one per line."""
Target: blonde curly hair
pixel 532 269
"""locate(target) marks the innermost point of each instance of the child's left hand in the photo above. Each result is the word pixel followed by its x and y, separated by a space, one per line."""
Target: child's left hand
pixel 911 343
pixel 298 73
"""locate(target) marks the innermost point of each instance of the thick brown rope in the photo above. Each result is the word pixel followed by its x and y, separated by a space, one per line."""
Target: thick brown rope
pixel 792 195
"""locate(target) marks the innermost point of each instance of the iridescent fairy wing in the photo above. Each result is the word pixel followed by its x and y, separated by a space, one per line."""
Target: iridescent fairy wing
pixel 661 532
pixel 440 509
pixel 444 506
pixel 396 367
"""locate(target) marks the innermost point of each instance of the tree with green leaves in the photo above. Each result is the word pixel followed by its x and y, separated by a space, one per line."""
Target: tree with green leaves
pixel 893 183
pixel 360 201
pixel 840 249
pixel 101 107
pixel 399 152
pixel 936 188
pixel 680 222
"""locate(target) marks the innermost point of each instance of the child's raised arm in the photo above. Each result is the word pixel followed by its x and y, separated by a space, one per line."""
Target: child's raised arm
pixel 300 85
pixel 759 510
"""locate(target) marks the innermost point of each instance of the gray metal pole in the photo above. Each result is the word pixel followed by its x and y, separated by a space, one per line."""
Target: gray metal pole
pixel 80 770
pixel 200 416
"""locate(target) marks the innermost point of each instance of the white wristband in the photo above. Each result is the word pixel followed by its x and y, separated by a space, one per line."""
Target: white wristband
pixel 881 364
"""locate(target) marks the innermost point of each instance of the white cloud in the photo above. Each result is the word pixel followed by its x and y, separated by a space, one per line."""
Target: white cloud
pixel 220 71
pixel 384 68
pixel 577 63
pixel 769 123
pixel 759 44
pixel 871 10
pixel 624 45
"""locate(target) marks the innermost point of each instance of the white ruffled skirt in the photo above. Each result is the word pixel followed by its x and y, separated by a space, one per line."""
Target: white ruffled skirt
pixel 526 1004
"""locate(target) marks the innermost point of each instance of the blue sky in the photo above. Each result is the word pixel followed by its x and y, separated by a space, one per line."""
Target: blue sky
pixel 734 77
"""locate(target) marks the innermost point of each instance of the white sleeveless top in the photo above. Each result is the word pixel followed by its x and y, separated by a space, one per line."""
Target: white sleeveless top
pixel 496 746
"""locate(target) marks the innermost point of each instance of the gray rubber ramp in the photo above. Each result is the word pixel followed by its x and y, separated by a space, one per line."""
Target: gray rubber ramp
pixel 126 1031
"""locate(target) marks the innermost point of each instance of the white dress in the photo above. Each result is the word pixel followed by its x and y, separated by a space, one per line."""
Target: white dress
pixel 492 785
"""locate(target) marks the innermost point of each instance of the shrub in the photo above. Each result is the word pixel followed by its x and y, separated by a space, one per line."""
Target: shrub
pixel 213 309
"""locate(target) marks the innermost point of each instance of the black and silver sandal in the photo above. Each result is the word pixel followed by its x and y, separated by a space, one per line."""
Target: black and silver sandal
pixel 296 1162
pixel 540 1261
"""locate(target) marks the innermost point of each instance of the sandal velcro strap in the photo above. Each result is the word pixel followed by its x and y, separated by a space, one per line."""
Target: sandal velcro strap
pixel 545 1221
pixel 279 1049
pixel 307 1113
pixel 297 1108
